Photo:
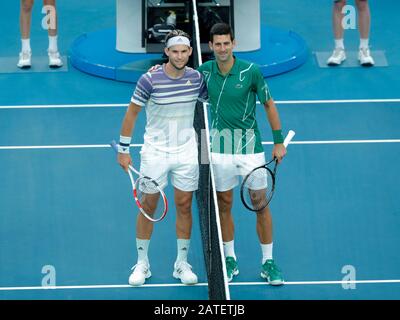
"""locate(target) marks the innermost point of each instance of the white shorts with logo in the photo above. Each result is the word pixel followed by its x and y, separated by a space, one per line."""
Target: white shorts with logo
pixel 229 167
pixel 182 167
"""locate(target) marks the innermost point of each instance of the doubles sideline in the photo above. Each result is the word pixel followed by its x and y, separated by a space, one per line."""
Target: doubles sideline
pixel 91 146
pixel 279 102
pixel 198 284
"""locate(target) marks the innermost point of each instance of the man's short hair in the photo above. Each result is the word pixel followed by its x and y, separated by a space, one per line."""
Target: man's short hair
pixel 220 29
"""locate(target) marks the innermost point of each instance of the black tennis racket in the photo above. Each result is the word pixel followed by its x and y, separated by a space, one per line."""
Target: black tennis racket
pixel 258 186
pixel 149 197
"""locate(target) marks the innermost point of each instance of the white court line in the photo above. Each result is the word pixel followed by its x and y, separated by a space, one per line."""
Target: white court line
pixel 122 286
pixel 116 286
pixel 60 106
pixel 92 146
pixel 340 141
pixel 338 101
pixel 120 105
pixel 78 146
pixel 316 282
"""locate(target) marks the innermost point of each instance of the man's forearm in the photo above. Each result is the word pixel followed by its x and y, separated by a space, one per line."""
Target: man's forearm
pixel 273 115
pixel 128 124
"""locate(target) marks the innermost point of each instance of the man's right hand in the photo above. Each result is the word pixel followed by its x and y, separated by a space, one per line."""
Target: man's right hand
pixel 153 68
pixel 124 161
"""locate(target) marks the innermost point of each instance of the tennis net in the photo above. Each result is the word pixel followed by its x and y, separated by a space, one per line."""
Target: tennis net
pixel 206 195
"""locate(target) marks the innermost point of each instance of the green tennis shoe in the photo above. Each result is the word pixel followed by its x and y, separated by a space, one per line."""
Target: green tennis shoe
pixel 271 273
pixel 231 268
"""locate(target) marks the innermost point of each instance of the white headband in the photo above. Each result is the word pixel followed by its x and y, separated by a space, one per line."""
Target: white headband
pixel 178 40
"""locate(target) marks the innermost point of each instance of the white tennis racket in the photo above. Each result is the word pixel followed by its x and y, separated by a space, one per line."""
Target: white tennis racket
pixel 149 197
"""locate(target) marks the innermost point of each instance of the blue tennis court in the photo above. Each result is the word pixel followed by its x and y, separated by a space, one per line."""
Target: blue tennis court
pixel 65 204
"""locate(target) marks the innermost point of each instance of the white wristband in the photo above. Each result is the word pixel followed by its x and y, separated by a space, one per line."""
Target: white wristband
pixel 122 149
pixel 124 143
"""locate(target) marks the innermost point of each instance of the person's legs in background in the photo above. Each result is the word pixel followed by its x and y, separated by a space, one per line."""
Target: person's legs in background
pixel 54 56
pixel 338 55
pixel 364 25
pixel 25 27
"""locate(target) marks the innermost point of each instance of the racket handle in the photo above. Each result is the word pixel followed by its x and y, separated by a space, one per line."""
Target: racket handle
pixel 114 145
pixel 288 138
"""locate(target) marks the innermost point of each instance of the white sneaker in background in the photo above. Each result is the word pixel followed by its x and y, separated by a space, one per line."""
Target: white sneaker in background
pixel 54 59
pixel 364 56
pixel 337 57
pixel 24 59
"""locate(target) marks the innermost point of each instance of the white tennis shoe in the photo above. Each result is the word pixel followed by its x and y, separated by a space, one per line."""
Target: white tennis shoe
pixel 54 59
pixel 141 271
pixel 24 59
pixel 183 271
pixel 337 57
pixel 364 56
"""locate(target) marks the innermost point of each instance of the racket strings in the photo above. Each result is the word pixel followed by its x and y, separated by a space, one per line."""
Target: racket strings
pixel 150 198
pixel 258 189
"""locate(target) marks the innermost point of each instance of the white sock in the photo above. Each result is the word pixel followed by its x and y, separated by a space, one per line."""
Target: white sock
pixel 339 43
pixel 183 249
pixel 53 44
pixel 26 45
pixel 229 249
pixel 364 43
pixel 266 251
pixel 142 247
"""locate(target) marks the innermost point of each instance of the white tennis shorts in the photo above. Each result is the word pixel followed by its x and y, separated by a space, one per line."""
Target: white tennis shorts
pixel 229 167
pixel 182 167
